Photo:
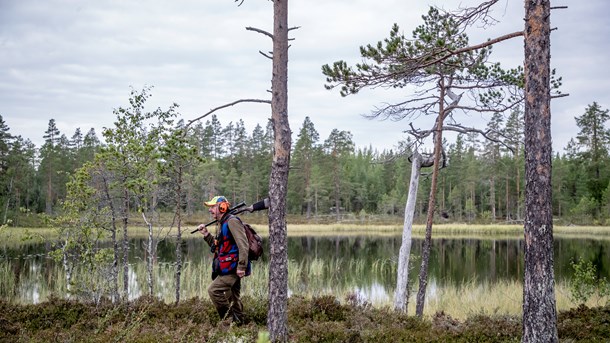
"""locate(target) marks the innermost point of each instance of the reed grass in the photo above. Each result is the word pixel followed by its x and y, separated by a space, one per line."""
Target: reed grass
pixel 499 298
pixel 7 284
pixel 339 277
pixel 460 300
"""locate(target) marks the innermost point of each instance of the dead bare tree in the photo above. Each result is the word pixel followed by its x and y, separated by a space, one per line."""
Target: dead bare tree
pixel 444 69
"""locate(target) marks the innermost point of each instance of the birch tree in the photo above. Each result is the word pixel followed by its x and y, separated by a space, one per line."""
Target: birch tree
pixel 130 158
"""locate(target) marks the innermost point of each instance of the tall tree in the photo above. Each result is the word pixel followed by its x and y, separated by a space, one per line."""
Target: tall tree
pixel 277 319
pixel 492 159
pixel 178 156
pixel 6 183
pixel 338 145
pixel 302 162
pixel 513 131
pixel 593 143
pixel 216 139
pixel 130 156
pixel 5 145
pixel 439 62
pixel 22 187
pixel 49 163
pixel 91 145
pixel 539 311
pixel 261 157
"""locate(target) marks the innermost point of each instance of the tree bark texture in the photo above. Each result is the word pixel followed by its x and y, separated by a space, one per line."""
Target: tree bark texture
pixel 425 260
pixel 125 245
pixel 401 296
pixel 49 198
pixel 149 261
pixel 178 234
pixel 277 319
pixel 115 244
pixel 539 312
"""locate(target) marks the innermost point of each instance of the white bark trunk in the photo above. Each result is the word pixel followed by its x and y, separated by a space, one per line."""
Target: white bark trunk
pixel 401 296
pixel 67 268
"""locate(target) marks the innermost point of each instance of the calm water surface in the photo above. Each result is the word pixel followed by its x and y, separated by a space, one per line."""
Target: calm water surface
pixel 362 264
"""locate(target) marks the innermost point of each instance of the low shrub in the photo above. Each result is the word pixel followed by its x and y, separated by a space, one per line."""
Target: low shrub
pixel 320 319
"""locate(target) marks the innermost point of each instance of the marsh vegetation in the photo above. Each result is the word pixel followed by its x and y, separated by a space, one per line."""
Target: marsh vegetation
pixel 475 270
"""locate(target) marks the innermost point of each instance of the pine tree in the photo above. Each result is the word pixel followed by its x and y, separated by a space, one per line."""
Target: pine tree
pixel 539 308
pixel 513 131
pixel 302 163
pixel 338 146
pixel 5 145
pixel 491 156
pixel 593 144
pixel 49 164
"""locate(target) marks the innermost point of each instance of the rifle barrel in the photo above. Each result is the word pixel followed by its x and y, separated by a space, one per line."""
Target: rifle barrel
pixel 231 210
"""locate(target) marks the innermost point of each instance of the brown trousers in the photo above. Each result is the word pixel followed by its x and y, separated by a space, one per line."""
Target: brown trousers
pixel 224 292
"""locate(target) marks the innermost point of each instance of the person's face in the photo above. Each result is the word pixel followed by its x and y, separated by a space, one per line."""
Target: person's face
pixel 214 212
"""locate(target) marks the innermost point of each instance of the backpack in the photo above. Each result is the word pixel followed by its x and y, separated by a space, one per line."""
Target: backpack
pixel 255 243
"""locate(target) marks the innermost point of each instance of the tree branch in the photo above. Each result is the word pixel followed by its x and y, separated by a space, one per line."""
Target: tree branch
pixel 487 134
pixel 264 54
pixel 559 96
pixel 468 16
pixel 225 106
pixel 472 48
pixel 260 31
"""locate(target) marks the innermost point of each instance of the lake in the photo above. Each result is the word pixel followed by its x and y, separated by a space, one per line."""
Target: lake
pixel 361 264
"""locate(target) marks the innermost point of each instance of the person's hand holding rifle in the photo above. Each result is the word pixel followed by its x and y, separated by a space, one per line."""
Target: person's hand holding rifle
pixel 257 206
pixel 201 228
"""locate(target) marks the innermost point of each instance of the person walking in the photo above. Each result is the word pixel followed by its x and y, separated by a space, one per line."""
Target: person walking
pixel 230 263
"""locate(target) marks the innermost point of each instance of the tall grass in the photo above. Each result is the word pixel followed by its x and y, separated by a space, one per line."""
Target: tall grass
pixel 305 279
pixel 372 281
pixel 499 298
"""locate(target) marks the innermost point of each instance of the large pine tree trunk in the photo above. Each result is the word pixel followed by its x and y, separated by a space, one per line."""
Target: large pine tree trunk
pixel 425 259
pixel 401 296
pixel 539 312
pixel 277 319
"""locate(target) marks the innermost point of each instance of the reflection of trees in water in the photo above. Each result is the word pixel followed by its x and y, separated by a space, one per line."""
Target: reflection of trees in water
pixel 344 263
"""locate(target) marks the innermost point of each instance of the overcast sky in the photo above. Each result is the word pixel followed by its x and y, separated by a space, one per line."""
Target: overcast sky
pixel 75 61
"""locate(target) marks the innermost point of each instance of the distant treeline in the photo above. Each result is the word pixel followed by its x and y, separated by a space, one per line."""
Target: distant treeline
pixel 483 180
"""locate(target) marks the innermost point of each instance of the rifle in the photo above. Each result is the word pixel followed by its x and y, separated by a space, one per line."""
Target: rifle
pixel 257 206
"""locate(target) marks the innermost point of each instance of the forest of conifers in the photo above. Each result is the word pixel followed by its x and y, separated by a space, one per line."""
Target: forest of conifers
pixel 482 181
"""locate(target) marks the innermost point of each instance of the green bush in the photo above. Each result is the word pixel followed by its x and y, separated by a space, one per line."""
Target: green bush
pixel 585 283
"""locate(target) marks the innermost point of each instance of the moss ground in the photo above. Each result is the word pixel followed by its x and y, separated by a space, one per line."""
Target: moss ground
pixel 321 319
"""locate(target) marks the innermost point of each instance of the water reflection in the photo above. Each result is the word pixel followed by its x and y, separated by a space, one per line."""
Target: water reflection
pixel 363 265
